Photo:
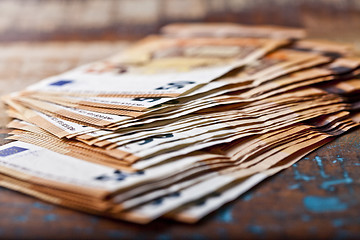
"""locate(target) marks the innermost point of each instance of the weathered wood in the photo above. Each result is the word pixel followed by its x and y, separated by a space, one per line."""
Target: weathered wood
pixel 22 64
pixel 114 19
pixel 317 198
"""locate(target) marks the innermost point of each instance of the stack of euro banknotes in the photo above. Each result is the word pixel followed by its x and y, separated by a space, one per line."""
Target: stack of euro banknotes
pixel 180 123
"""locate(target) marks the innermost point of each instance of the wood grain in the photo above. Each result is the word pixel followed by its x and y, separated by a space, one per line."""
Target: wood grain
pixel 114 19
pixel 24 63
pixel 317 198
pixel 299 202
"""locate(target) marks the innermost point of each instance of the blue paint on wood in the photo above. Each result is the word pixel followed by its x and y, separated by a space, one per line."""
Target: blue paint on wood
pixel 50 217
pixel 21 218
pixel 321 167
pixel 319 204
pixel 256 229
pixel 115 233
pixel 330 184
pixel 345 173
pixel 225 214
pixel 300 176
pixel 42 206
pixel 294 186
pixel 338 222
pixel 247 197
pixel 357 164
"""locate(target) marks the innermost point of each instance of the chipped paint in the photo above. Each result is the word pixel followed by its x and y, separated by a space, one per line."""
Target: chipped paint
pixel 321 167
pixel 319 204
pixel 256 229
pixel 50 217
pixel 300 176
pixel 42 206
pixel 294 186
pixel 225 214
pixel 338 222
pixel 330 184
pixel 247 196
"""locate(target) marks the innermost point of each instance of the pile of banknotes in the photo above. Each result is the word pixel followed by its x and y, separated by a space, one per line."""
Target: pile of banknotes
pixel 179 123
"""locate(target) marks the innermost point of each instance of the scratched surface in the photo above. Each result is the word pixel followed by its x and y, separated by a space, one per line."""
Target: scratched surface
pixel 317 197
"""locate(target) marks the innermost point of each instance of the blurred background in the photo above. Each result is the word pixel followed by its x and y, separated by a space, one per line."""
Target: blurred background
pixel 128 19
pixel 40 38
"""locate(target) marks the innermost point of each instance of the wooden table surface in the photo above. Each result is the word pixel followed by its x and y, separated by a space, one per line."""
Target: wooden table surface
pixel 318 197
